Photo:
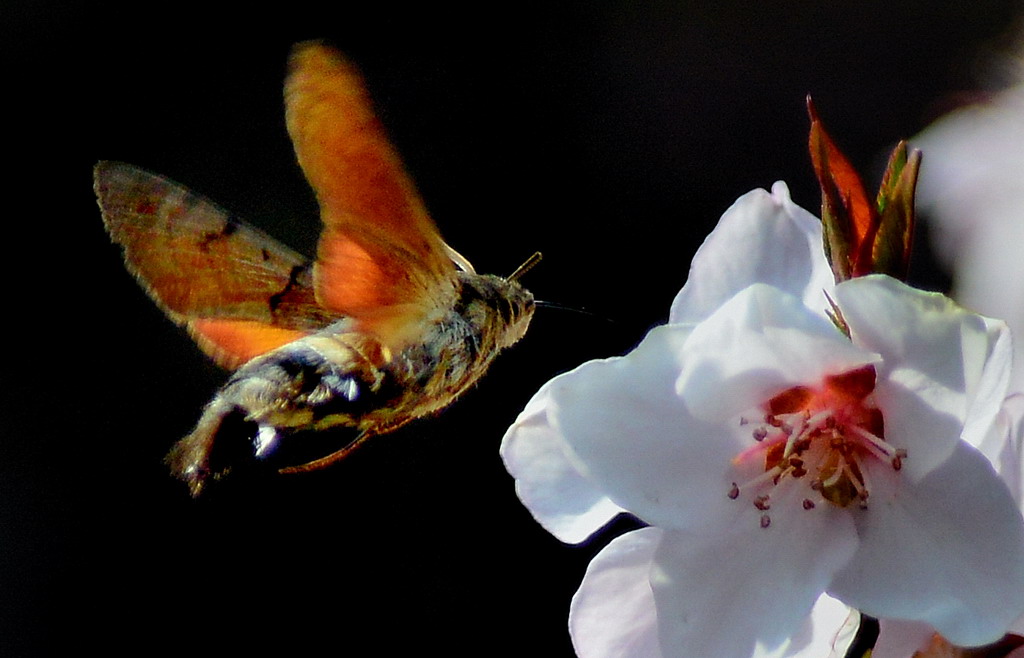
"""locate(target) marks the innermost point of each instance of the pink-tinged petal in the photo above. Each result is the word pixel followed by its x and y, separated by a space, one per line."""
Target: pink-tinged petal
pixel 947 550
pixel 900 639
pixel 558 496
pixel 827 632
pixel 757 344
pixel 720 593
pixel 630 434
pixel 945 370
pixel 613 614
pixel 762 238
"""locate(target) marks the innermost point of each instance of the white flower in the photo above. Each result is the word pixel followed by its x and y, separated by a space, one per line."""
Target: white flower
pixel 777 459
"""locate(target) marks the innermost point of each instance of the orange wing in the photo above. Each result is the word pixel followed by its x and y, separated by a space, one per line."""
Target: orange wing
pixel 380 260
pixel 238 291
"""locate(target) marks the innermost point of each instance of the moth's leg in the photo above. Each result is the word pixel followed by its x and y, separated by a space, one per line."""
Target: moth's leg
pixel 327 460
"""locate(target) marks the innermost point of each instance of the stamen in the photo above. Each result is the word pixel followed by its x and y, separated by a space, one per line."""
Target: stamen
pixel 887 449
pixel 770 474
pixel 836 474
pixel 865 482
pixel 855 479
pixel 825 438
pixel 819 420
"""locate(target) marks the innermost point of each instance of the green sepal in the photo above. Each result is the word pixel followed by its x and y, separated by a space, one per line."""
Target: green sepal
pixel 890 253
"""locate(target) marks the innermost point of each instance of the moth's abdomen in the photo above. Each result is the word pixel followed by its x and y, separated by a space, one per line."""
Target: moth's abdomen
pixel 324 380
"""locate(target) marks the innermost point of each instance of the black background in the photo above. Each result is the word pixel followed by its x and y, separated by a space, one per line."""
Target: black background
pixel 609 136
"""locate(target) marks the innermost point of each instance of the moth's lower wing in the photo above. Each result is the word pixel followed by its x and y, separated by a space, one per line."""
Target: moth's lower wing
pixel 380 260
pixel 238 291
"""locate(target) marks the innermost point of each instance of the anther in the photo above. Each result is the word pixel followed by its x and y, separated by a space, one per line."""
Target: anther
pixel 761 503
pixel 765 520
pixel 734 493
pixel 808 503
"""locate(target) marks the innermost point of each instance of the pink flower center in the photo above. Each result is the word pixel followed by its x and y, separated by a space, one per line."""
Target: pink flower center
pixel 822 436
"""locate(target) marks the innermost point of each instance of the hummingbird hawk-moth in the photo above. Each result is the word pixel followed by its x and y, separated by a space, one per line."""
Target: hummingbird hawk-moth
pixel 387 324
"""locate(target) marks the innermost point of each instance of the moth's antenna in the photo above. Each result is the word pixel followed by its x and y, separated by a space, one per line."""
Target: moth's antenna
pixel 525 267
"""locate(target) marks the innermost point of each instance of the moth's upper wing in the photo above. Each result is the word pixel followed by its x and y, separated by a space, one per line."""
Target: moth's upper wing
pixel 238 291
pixel 380 260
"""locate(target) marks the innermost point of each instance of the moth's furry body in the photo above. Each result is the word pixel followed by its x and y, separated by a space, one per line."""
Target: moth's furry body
pixel 342 377
pixel 387 324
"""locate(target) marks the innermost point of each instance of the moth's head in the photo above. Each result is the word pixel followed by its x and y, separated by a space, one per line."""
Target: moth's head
pixel 500 308
pixel 515 308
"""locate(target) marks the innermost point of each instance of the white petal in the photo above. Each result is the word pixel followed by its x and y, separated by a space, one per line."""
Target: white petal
pixel 762 238
pixel 827 632
pixel 720 593
pixel 1004 443
pixel 630 434
pixel 899 639
pixel 947 550
pixel 945 370
pixel 613 614
pixel 560 498
pixel 757 344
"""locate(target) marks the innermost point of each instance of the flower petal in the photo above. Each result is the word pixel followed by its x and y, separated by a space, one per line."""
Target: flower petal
pixel 762 238
pixel 1003 446
pixel 719 593
pixel 947 550
pixel 899 639
pixel 945 370
pixel 559 496
pixel 630 434
pixel 758 343
pixel 613 614
pixel 827 632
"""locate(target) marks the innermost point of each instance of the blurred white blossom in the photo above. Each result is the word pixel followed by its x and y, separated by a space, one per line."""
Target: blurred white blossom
pixel 972 188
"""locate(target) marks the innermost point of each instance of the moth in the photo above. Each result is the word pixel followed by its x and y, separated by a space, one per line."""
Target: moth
pixel 386 325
